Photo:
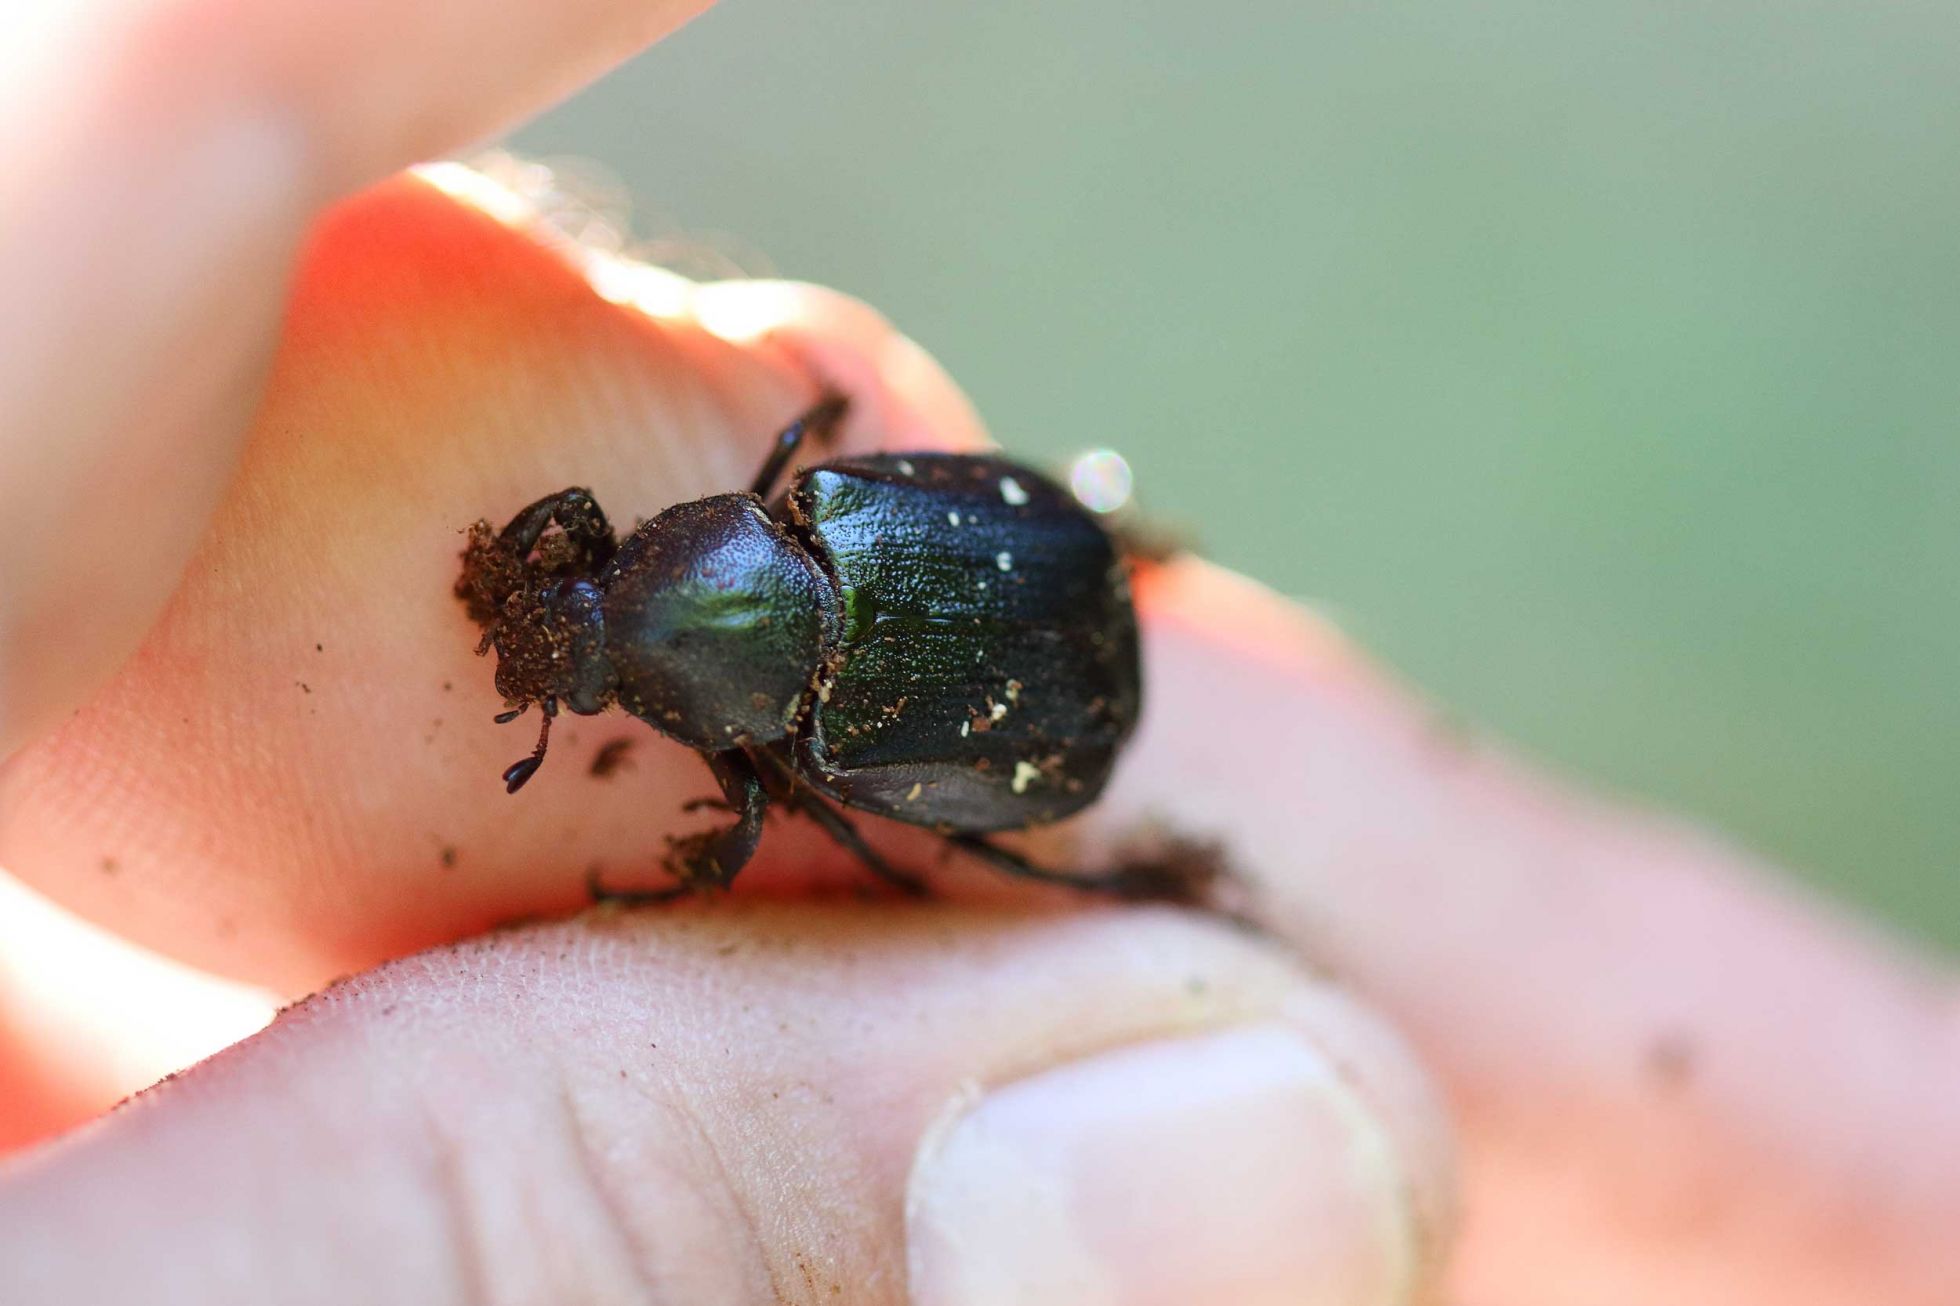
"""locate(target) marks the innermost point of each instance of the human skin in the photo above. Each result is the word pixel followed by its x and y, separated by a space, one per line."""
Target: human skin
pixel 1670 1078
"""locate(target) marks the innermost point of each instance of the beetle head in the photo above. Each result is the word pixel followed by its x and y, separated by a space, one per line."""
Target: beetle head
pixel 542 615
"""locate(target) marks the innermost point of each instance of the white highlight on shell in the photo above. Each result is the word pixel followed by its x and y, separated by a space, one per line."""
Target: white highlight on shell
pixel 1100 480
pixel 953 517
pixel 1025 774
pixel 1004 560
pixel 1011 491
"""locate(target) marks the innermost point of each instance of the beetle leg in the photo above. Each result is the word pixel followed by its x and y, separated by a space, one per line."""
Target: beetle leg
pixel 1187 882
pixel 838 826
pixel 845 835
pixel 820 419
pixel 711 859
pixel 576 514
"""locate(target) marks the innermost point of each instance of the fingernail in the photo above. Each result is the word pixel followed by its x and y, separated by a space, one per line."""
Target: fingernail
pixel 1230 1167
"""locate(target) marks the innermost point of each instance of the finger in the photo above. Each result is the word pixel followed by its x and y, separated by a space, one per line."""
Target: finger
pixel 789 1104
pixel 162 159
pixel 87 1019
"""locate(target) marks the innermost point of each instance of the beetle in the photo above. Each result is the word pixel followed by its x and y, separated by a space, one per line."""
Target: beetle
pixel 943 639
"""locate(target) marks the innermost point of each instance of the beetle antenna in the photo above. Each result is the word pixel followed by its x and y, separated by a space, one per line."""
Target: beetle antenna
pixel 520 771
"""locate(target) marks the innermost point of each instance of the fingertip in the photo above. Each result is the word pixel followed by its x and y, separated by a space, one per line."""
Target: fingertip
pixel 897 388
pixel 1245 1164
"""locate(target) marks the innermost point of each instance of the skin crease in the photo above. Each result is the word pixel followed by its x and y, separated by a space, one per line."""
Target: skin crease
pixel 1671 1084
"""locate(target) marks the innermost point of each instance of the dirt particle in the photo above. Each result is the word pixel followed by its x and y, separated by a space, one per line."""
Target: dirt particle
pixel 448 856
pixel 110 866
pixel 610 757
pixel 1164 866
pixel 319 648
pixel 1671 1059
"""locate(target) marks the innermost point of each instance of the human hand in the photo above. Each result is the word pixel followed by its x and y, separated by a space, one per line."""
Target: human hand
pixel 1669 1084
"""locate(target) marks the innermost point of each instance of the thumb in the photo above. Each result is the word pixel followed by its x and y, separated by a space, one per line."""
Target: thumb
pixel 772 1103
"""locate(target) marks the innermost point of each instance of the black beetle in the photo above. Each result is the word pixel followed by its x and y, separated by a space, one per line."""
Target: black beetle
pixel 943 639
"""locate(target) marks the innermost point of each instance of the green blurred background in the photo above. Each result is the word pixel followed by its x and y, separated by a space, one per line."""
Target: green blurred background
pixel 1596 365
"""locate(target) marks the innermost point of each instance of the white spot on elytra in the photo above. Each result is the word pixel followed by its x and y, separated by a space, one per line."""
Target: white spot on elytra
pixel 912 796
pixel 1025 774
pixel 1010 490
pixel 995 711
pixel 1005 561
pixel 905 467
pixel 953 517
pixel 966 728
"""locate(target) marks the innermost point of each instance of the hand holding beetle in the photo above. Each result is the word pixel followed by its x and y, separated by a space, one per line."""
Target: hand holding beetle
pixel 946 640
pixel 1668 1083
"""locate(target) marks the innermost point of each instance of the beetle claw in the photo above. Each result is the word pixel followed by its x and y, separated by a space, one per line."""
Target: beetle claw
pixel 691 860
pixel 1184 872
